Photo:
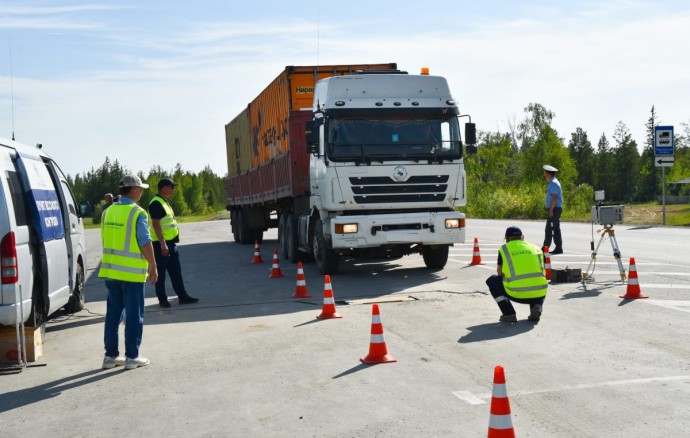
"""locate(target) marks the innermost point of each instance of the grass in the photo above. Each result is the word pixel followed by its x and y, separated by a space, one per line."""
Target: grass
pixel 635 214
pixel 651 213
pixel 218 215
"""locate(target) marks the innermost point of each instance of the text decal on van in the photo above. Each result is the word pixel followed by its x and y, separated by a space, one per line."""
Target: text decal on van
pixel 42 198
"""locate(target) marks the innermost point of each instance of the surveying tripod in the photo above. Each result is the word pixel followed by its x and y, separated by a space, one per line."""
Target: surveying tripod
pixel 607 231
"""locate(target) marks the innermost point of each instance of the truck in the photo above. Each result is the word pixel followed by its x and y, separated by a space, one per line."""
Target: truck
pixel 350 161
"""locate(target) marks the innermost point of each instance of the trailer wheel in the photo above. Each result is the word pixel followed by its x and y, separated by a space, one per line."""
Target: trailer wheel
pixel 326 259
pixel 243 231
pixel 233 226
pixel 78 298
pixel 282 241
pixel 435 257
pixel 291 244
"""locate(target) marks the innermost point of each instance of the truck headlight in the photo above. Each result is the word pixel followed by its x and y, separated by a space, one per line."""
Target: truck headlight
pixel 346 228
pixel 452 223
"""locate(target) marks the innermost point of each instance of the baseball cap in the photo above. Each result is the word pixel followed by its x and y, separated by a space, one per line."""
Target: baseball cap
pixel 513 232
pixel 550 168
pixel 132 181
pixel 166 182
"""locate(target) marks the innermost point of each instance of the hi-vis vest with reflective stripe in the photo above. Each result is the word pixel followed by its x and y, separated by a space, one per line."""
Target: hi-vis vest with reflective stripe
pixel 122 257
pixel 523 270
pixel 168 222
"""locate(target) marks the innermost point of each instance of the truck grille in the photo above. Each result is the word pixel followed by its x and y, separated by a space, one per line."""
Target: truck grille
pixel 383 189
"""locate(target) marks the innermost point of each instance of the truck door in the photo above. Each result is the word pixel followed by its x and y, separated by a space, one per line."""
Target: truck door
pixel 47 220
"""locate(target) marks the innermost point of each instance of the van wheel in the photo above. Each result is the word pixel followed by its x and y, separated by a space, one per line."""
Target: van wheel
pixel 78 298
pixel 326 259
pixel 435 257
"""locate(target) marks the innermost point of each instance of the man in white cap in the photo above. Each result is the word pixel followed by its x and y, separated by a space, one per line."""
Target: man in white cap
pixel 554 209
pixel 127 262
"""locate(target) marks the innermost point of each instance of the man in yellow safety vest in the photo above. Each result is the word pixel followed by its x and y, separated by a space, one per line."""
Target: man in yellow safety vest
pixel 127 261
pixel 166 236
pixel 520 277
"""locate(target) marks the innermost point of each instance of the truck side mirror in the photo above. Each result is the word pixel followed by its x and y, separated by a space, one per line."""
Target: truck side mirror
pixel 470 134
pixel 312 132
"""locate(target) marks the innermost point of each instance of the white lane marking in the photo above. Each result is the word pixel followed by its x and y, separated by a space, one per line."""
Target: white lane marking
pixel 683 306
pixel 679 274
pixel 473 399
pixel 466 262
pixel 468 397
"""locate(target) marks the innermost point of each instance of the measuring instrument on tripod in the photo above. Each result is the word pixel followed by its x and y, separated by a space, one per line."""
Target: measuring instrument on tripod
pixel 606 215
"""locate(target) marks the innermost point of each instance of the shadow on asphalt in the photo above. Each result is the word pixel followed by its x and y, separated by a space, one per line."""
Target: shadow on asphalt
pixel 23 397
pixel 229 286
pixel 495 330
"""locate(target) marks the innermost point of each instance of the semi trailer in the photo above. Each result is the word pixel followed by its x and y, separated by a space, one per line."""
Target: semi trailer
pixel 360 161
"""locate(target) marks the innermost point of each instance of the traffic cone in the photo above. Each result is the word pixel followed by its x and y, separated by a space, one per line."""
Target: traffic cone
pixel 547 263
pixel 476 257
pixel 500 421
pixel 378 353
pixel 275 268
pixel 633 291
pixel 301 289
pixel 328 309
pixel 257 254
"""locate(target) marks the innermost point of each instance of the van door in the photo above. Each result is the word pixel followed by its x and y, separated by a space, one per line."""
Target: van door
pixel 14 218
pixel 46 218
pixel 74 235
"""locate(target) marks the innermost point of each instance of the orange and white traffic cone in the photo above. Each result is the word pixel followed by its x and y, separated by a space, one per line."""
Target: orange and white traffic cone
pixel 275 267
pixel 328 309
pixel 633 291
pixel 501 420
pixel 257 255
pixel 476 256
pixel 547 263
pixel 378 353
pixel 301 289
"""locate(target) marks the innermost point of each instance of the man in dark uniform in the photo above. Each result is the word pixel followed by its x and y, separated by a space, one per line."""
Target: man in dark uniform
pixel 166 236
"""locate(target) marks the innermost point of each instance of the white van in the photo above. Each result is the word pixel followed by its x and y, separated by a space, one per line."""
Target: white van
pixel 42 244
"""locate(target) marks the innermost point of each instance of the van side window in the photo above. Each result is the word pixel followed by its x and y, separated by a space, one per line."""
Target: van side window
pixel 21 214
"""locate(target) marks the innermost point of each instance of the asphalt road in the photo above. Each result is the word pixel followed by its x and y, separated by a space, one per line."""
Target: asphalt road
pixel 250 361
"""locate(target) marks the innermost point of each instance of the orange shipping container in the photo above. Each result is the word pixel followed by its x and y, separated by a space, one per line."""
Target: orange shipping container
pixel 237 141
pixel 269 113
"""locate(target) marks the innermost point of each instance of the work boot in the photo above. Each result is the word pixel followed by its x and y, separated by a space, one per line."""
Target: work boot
pixel 535 313
pixel 556 251
pixel 188 300
pixel 508 318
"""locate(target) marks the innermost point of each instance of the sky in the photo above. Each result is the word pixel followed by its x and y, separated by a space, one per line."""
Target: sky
pixel 152 83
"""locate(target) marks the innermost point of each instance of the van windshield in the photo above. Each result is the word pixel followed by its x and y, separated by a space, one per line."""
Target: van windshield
pixel 372 140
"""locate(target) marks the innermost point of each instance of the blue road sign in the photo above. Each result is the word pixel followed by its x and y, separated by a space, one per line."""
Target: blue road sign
pixel 663 141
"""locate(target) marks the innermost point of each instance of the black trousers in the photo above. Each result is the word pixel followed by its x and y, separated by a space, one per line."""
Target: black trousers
pixel 497 290
pixel 553 228
pixel 171 265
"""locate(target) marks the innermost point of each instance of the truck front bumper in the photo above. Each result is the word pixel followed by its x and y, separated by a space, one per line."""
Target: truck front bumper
pixel 411 228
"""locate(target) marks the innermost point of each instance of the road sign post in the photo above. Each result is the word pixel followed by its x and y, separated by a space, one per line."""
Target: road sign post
pixel 663 157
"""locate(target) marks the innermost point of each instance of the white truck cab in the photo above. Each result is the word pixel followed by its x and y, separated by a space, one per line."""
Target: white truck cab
pixel 42 243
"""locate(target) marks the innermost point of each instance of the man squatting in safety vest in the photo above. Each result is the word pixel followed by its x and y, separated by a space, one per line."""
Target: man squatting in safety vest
pixel 127 261
pixel 520 277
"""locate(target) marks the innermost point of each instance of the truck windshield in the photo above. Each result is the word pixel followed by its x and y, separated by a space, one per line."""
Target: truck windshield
pixel 372 140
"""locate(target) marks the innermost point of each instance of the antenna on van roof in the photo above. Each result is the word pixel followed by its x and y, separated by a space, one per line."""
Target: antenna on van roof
pixel 12 88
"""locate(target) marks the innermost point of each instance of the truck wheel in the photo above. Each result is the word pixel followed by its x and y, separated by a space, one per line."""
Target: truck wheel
pixel 257 236
pixel 326 259
pixel 282 241
pixel 233 226
pixel 291 239
pixel 243 231
pixel 435 257
pixel 78 298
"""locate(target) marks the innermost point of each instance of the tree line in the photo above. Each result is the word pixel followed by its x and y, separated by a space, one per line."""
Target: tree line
pixel 505 176
pixel 197 193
